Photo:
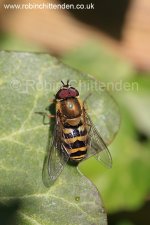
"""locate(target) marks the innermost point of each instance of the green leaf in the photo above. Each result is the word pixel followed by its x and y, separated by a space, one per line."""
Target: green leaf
pixel 27 81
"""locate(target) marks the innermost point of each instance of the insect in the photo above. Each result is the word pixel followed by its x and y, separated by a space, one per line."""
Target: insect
pixel 75 137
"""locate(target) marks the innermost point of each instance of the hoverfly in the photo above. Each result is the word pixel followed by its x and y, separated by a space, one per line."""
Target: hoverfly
pixel 75 137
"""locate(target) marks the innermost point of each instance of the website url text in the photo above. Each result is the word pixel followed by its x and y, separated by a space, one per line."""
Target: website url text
pixel 50 6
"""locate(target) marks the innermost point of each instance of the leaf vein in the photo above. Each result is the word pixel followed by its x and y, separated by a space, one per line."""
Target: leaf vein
pixel 29 218
pixel 8 137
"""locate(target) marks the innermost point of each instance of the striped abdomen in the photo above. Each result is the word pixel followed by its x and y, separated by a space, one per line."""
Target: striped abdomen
pixel 75 142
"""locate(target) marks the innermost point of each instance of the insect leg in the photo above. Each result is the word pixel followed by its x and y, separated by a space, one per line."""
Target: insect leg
pixel 87 98
pixel 51 100
pixel 44 114
pixel 90 126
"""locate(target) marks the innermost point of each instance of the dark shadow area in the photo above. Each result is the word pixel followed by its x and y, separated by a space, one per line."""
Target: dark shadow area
pixel 139 217
pixel 142 137
pixel 107 16
pixel 8 212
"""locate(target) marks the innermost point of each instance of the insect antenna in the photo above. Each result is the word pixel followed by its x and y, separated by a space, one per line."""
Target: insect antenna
pixel 65 85
pixel 62 82
pixel 68 82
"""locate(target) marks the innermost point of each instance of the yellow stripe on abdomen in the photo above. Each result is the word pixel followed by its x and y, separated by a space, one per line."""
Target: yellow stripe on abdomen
pixel 74 150
pixel 73 139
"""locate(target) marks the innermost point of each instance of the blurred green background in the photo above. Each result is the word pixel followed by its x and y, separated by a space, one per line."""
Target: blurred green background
pixel 125 188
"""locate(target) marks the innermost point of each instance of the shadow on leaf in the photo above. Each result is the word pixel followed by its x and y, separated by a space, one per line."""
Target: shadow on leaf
pixel 8 212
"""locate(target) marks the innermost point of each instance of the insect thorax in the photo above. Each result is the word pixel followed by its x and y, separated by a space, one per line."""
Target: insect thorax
pixel 70 110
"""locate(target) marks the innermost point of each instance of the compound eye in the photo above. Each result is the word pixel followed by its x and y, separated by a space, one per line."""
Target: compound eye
pixel 73 92
pixel 63 94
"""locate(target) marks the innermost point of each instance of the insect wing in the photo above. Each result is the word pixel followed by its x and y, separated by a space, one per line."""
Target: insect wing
pixel 57 157
pixel 97 145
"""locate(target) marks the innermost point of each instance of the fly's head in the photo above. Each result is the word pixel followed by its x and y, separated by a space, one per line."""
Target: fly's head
pixel 66 91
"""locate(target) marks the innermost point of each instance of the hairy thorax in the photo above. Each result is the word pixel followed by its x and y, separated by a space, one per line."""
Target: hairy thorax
pixel 71 111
